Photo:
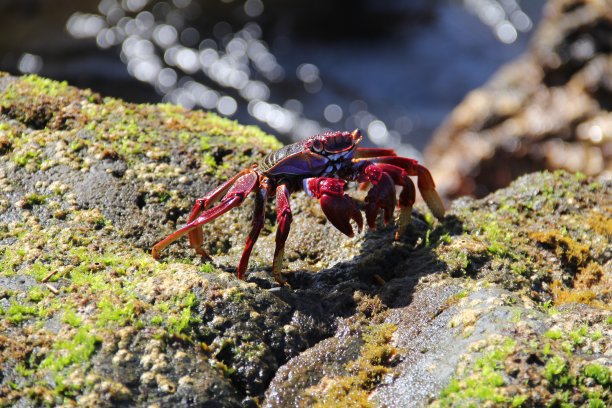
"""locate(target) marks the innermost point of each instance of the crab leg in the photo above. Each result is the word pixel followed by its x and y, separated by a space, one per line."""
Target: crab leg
pixel 283 219
pixel 196 238
pixel 367 152
pixel 338 207
pixel 425 182
pixel 380 196
pixel 234 197
pixel 258 222
pixel 406 198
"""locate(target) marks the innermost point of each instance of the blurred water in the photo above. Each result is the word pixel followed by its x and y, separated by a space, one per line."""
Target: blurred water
pixel 394 69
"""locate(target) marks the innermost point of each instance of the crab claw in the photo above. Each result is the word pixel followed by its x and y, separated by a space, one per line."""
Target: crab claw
pixel 340 210
pixel 380 196
pixel 338 207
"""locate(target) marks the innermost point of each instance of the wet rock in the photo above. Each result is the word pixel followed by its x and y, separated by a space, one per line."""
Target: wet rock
pixel 508 296
pixel 550 109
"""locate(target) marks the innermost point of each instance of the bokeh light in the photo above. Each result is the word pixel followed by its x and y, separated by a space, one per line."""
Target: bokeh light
pixel 232 70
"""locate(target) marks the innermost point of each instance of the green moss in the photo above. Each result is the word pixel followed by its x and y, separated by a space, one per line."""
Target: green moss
pixel 554 334
pixel 598 372
pixel 115 311
pixel 176 315
pixel 518 400
pixel 30 159
pixel 596 402
pixel 578 336
pixel 36 294
pixel 208 268
pixel 596 335
pixel 40 271
pixel 23 370
pixel 556 372
pixel 182 323
pixel 76 350
pixel 157 320
pixel 33 199
pixel 454 299
pixel 45 86
pixel 482 382
pixel 498 239
pixel 17 313
pixel 71 318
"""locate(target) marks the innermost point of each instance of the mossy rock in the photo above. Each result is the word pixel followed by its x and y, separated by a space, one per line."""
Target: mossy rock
pixel 87 317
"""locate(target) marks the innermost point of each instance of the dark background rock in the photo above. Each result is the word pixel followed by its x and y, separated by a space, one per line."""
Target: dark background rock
pixel 550 109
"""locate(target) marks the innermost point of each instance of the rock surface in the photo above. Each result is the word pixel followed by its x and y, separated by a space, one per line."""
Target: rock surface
pixel 550 109
pixel 504 302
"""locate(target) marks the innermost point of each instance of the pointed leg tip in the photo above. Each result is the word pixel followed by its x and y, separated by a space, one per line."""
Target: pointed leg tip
pixel 403 221
pixel 434 202
pixel 156 252
pixel 278 277
pixel 277 266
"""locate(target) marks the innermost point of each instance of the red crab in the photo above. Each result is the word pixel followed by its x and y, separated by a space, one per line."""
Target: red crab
pixel 321 166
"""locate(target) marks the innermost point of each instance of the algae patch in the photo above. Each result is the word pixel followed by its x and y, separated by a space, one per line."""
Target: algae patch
pixel 363 375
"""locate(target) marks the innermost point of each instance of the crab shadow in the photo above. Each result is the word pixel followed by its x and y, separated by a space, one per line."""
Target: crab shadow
pixel 384 268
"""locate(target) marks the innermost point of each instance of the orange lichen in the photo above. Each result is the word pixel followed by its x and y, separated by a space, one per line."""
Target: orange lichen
pixel 589 276
pixel 567 249
pixel 600 223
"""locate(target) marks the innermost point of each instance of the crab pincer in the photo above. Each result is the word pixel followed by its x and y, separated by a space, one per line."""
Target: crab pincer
pixel 338 207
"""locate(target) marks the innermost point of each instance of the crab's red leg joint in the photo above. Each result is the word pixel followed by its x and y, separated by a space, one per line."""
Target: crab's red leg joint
pixel 283 219
pixel 338 207
pixel 196 238
pixel 234 197
pixel 258 222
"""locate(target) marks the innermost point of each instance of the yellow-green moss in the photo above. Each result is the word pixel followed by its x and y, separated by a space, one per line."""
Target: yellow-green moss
pixel 363 374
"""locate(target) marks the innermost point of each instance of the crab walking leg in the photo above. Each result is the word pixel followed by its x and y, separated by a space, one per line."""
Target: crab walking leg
pixel 368 152
pixel 425 182
pixel 338 207
pixel 258 221
pixel 405 202
pixel 406 198
pixel 382 193
pixel 371 152
pixel 196 238
pixel 283 219
pixel 234 197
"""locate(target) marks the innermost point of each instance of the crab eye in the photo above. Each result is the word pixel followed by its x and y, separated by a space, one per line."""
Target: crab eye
pixel 317 145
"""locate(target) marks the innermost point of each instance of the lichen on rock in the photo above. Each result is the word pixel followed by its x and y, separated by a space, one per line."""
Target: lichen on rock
pixel 504 301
